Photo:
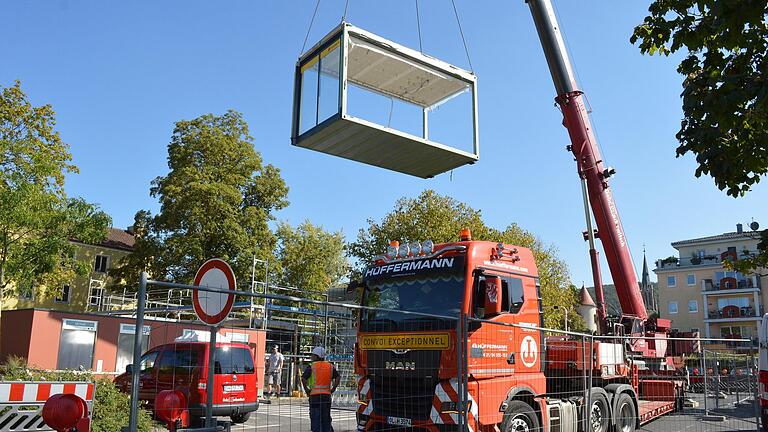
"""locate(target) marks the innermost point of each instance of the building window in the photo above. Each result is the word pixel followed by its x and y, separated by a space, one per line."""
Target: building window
pixel 102 264
pixel 671 281
pixel 63 296
pixel 673 307
pixel 700 253
pixel 693 306
pixel 691 279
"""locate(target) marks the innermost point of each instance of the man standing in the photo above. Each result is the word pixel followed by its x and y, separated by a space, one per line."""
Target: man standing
pixel 274 370
pixel 320 380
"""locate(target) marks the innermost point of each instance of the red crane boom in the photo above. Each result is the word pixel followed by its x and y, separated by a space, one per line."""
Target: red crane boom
pixel 591 170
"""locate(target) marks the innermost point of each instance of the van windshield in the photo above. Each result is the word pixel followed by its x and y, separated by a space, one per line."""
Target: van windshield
pixel 233 360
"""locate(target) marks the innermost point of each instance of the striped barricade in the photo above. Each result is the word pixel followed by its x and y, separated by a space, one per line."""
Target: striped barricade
pixel 21 403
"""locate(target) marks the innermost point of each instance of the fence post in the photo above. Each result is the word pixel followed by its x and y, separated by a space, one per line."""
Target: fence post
pixel 706 394
pixel 459 373
pixel 756 391
pixel 140 300
pixel 209 421
pixel 589 383
pixel 717 382
pixel 584 380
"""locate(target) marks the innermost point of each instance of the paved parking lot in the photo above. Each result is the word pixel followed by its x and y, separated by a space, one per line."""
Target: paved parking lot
pixel 293 416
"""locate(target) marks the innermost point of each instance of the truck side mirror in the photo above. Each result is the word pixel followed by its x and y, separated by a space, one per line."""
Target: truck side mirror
pixel 129 369
pixel 492 296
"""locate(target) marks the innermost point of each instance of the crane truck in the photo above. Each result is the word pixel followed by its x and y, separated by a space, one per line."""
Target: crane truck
pixel 500 372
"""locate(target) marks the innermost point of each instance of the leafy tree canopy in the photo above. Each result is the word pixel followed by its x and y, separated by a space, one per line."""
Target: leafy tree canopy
pixel 440 218
pixel 311 258
pixel 37 219
pixel 216 201
pixel 725 93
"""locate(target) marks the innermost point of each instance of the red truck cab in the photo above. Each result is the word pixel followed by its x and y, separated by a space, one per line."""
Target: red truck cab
pixel 184 366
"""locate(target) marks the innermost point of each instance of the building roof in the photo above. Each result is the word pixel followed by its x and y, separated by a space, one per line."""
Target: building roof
pixel 719 237
pixel 584 298
pixel 646 279
pixel 117 239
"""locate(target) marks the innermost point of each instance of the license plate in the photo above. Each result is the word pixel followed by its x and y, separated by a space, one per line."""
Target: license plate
pixel 234 388
pixel 399 421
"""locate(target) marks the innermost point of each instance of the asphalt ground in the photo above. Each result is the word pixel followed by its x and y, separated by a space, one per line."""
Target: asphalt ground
pixel 292 415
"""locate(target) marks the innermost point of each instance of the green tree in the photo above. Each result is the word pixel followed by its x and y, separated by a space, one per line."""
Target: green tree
pixel 725 89
pixel 216 201
pixel 725 92
pixel 440 218
pixel 311 258
pixel 37 219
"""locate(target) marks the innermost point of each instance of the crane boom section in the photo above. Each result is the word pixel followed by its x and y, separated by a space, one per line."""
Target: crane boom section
pixel 588 160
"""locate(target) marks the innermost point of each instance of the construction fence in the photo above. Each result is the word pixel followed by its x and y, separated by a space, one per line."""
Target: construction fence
pixel 443 371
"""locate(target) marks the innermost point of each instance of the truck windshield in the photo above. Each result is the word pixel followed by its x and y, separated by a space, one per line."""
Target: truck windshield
pixel 438 295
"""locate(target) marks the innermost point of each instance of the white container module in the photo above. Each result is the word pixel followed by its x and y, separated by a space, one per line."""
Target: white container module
pixel 367 99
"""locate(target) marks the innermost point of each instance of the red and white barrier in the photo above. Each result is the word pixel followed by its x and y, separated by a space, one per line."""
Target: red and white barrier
pixel 16 399
pixel 17 392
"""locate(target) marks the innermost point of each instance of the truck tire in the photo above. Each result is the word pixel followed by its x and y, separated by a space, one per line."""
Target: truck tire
pixel 626 417
pixel 240 418
pixel 599 412
pixel 519 417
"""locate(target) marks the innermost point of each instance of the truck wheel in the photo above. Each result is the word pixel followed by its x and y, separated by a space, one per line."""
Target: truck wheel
pixel 519 417
pixel 599 412
pixel 626 417
pixel 240 418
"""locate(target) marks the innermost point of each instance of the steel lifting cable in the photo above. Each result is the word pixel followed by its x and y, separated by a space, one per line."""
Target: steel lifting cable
pixel 418 27
pixel 314 14
pixel 346 6
pixel 461 32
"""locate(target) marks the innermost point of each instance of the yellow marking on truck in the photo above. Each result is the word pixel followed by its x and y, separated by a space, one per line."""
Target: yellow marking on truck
pixel 405 341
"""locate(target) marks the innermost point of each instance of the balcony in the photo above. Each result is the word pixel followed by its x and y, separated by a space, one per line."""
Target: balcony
pixel 730 312
pixel 697 261
pixel 730 284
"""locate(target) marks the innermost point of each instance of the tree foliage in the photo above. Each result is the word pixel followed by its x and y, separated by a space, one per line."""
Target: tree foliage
pixel 216 201
pixel 725 96
pixel 440 218
pixel 725 90
pixel 37 219
pixel 310 258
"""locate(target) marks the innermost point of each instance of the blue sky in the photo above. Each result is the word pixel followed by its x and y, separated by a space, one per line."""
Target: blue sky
pixel 119 74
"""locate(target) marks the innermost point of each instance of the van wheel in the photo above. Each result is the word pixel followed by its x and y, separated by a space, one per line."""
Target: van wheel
pixel 626 417
pixel 599 412
pixel 240 418
pixel 519 417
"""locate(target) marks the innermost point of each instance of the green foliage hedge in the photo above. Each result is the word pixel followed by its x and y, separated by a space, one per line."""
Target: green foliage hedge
pixel 111 406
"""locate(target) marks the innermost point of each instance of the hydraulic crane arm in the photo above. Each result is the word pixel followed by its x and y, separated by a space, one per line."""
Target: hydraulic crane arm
pixel 590 167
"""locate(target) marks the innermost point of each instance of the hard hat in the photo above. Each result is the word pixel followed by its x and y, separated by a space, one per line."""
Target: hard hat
pixel 319 351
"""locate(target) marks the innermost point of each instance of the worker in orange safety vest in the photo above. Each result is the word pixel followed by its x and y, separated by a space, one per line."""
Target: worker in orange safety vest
pixel 320 380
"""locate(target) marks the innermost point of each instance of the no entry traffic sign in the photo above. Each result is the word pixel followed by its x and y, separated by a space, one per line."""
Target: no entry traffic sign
pixel 213 307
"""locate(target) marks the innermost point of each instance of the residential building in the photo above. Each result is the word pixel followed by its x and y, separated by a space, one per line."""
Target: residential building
pixel 698 294
pixel 84 292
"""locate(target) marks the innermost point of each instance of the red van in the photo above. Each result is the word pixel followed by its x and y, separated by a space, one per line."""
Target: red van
pixel 183 366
